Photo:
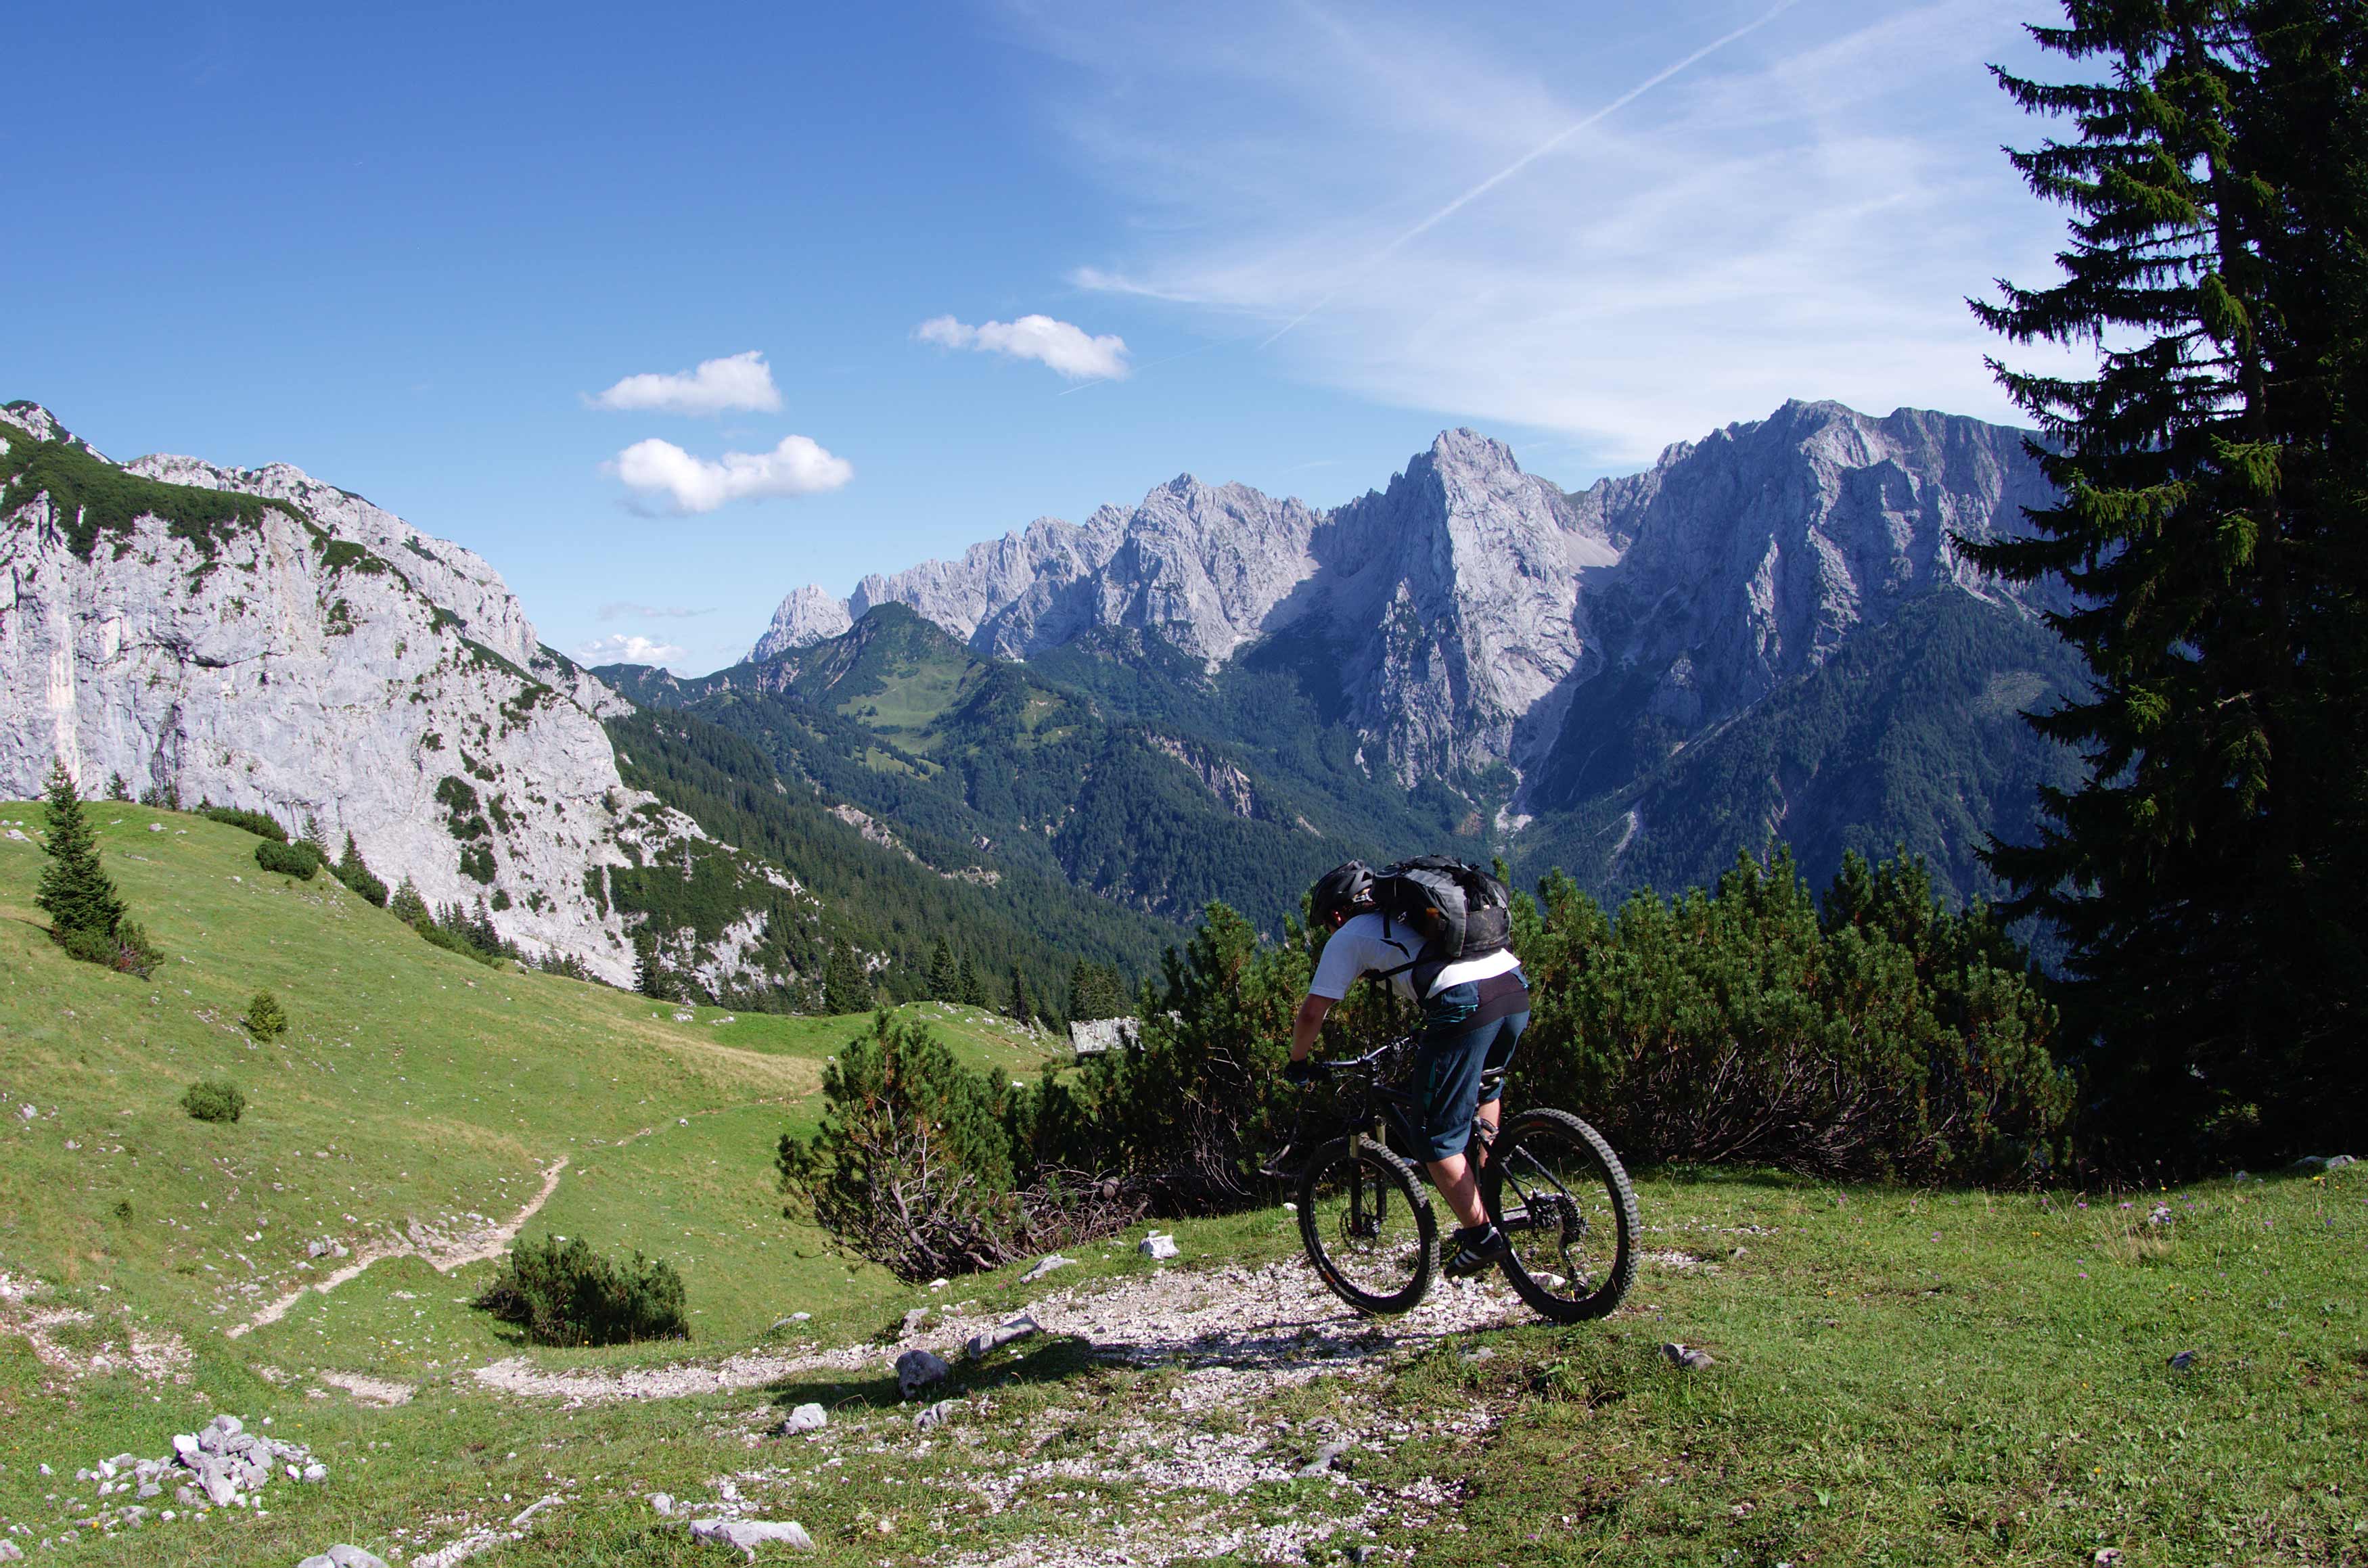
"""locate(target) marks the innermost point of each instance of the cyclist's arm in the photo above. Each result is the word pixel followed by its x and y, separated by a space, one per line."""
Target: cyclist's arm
pixel 1305 1025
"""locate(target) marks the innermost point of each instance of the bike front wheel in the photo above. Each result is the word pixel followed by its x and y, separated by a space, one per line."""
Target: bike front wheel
pixel 1562 1198
pixel 1367 1225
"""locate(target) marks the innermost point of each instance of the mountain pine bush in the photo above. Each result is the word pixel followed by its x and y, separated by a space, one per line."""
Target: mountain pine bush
pixel 255 823
pixel 210 1100
pixel 299 860
pixel 563 1292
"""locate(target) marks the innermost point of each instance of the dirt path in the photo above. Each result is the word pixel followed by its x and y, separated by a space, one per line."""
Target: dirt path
pixel 1271 1324
pixel 477 1246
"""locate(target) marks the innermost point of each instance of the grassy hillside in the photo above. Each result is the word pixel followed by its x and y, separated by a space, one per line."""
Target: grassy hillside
pixel 1899 1377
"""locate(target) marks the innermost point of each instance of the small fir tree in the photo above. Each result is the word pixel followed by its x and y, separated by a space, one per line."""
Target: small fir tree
pixel 971 984
pixel 74 891
pixel 943 980
pixel 265 1019
pixel 117 787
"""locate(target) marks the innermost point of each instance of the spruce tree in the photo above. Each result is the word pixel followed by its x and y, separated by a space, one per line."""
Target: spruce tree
pixel 971 985
pixel 2208 875
pixel 846 985
pixel 352 870
pixel 943 980
pixel 407 905
pixel 1016 1003
pixel 650 977
pixel 74 891
pixel 117 787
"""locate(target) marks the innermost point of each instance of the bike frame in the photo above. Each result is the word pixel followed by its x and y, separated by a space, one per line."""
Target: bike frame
pixel 1380 1100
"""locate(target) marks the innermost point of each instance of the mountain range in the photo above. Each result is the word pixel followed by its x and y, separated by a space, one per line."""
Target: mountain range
pixel 1072 737
pixel 1772 632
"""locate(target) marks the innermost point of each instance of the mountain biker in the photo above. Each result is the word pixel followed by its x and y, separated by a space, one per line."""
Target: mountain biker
pixel 1473 1016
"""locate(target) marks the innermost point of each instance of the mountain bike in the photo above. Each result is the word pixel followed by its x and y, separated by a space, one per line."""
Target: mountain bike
pixel 1547 1180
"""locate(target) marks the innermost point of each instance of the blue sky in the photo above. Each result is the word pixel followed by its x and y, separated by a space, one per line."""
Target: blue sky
pixel 467 260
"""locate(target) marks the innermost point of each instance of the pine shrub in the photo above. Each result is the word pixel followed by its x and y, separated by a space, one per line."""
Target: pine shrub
pixel 299 860
pixel 265 1018
pixel 563 1292
pixel 210 1100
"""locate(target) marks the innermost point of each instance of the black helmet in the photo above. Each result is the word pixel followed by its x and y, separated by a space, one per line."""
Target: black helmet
pixel 1340 893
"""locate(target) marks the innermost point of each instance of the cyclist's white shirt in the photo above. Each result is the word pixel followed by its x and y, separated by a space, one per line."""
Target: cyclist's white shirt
pixel 1367 944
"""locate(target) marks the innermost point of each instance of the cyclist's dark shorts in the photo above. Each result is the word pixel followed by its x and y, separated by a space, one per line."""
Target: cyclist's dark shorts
pixel 1466 1030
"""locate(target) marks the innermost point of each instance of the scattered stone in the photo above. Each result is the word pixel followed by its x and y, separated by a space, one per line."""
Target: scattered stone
pixel 937 1414
pixel 11 1553
pixel 1483 1354
pixel 804 1418
pixel 1362 1552
pixel 1045 1265
pixel 940 1284
pixel 662 1503
pixel 1686 1358
pixel 344 1556
pixel 2184 1361
pixel 2323 1163
pixel 918 1370
pixel 1010 1331
pixel 1322 1463
pixel 801 1317
pixel 914 1322
pixel 2106 1557
pixel 749 1534
pixel 1158 1246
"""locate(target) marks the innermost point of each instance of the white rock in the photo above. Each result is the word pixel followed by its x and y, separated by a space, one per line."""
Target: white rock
pixel 937 1414
pixel 1045 1265
pixel 662 1503
pixel 750 1534
pixel 805 1418
pixel 1158 1246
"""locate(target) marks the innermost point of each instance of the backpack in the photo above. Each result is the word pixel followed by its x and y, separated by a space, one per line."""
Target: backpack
pixel 1459 911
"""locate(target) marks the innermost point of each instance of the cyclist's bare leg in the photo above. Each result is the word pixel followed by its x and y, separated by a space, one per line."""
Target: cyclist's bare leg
pixel 1453 1177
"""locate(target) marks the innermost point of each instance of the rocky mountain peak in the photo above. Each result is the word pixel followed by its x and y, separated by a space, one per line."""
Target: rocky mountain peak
pixel 40 423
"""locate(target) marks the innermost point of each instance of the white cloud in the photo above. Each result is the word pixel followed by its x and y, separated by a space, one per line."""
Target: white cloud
pixel 1070 351
pixel 738 381
pixel 1428 208
pixel 661 471
pixel 622 648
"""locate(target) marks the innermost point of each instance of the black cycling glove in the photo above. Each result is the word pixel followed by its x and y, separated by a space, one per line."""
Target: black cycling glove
pixel 1301 1073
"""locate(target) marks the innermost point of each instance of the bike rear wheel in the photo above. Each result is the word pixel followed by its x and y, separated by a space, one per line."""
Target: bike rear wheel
pixel 1562 1198
pixel 1367 1225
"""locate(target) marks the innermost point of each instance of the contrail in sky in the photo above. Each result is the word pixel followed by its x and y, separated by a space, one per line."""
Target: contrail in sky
pixel 1532 156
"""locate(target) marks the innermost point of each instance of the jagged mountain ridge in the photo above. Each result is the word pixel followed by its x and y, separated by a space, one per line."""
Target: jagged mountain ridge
pixel 1465 613
pixel 257 638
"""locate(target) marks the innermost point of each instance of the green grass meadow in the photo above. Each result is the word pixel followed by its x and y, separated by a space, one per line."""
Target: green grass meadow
pixel 1899 1377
